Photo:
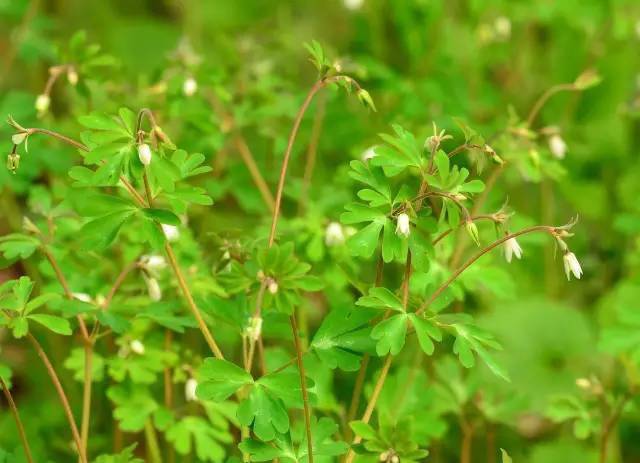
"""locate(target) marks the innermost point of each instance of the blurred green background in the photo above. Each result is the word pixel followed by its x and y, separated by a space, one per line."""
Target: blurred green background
pixel 422 61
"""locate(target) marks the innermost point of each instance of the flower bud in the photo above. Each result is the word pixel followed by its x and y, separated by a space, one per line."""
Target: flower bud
pixel 589 78
pixel 512 248
pixel 144 154
pixel 190 390
pixel 502 27
pixel 13 162
pixel 82 297
pixel 171 232
pixel 472 230
pixel 583 383
pixel 403 227
pixel 153 263
pixel 366 100
pixel 368 154
pixel 557 146
pixel 353 5
pixel 136 347
pixel 273 287
pixel 334 235
pixel 153 287
pixel 254 330
pixel 72 76
pixel 29 226
pixel 42 104
pixel 190 86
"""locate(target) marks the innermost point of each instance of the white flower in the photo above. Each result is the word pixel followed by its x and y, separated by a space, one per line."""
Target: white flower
pixel 153 287
pixel 42 103
pixel 82 297
pixel 137 347
pixel 72 76
pixel 171 232
pixel 512 248
pixel 368 154
pixel 502 26
pixel 273 287
pixel 571 265
pixel 557 146
pixel 334 234
pixel 255 328
pixel 144 153
pixel 190 86
pixel 353 5
pixel 190 390
pixel 153 262
pixel 402 225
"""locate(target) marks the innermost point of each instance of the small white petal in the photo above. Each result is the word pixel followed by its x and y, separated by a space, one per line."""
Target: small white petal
pixel 557 146
pixel 153 262
pixel 572 266
pixel 171 232
pixel 82 297
pixel 137 347
pixel 190 86
pixel 334 234
pixel 42 103
pixel 153 287
pixel 512 248
pixel 368 154
pixel 353 5
pixel 144 154
pixel 403 227
pixel 190 390
pixel 273 287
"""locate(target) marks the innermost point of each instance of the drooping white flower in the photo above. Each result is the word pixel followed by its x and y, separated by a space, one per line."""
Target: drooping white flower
pixel 153 262
pixel 273 287
pixel 190 86
pixel 153 287
pixel 144 153
pixel 82 297
pixel 353 5
pixel 512 248
pixel 402 225
pixel 368 154
pixel 72 76
pixel 171 232
pixel 137 347
pixel 557 146
pixel 571 265
pixel 334 234
pixel 190 390
pixel 42 103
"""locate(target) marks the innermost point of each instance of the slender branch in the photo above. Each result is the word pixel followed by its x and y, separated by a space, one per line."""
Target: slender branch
pixel 538 228
pixel 16 417
pixel 312 152
pixel 464 147
pixel 544 98
pixel 448 231
pixel 254 170
pixel 86 396
pixel 609 425
pixel 61 394
pixel 303 386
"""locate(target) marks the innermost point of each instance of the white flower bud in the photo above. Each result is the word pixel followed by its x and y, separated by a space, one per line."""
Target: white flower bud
pixel 190 390
pixel 383 456
pixel 557 146
pixel 153 263
pixel 583 383
pixel 512 248
pixel 153 287
pixel 273 287
pixel 353 5
pixel 72 76
pixel 42 103
pixel 502 26
pixel 136 347
pixel 571 265
pixel 82 297
pixel 368 154
pixel 144 153
pixel 171 232
pixel 190 86
pixel 334 234
pixel 395 459
pixel 403 227
pixel 472 230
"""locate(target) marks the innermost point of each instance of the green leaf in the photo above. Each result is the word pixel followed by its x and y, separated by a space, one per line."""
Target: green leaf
pixel 266 412
pixel 39 301
pixel 18 246
pixel 56 324
pixel 381 298
pixel 365 241
pixel 391 334
pixel 426 333
pixel 195 433
pixel 362 429
pixel 219 379
pixel 505 456
pixel 101 232
pixel 162 216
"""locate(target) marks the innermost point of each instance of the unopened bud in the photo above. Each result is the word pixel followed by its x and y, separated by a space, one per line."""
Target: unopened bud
pixel 137 347
pixel 190 86
pixel 273 287
pixel 190 390
pixel 472 229
pixel 13 162
pixel 171 232
pixel 144 154
pixel 72 76
pixel 153 287
pixel 29 226
pixel 254 330
pixel 43 102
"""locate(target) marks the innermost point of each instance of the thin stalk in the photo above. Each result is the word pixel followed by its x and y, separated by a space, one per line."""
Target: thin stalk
pixel 538 228
pixel 61 394
pixel 16 417
pixel 467 441
pixel 312 152
pixel 254 170
pixel 303 386
pixel 86 395
pixel 609 426
pixel 153 449
pixel 544 98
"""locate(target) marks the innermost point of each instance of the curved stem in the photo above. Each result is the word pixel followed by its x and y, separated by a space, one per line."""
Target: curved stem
pixel 609 425
pixel 303 386
pixel 312 152
pixel 448 231
pixel 538 228
pixel 544 98
pixel 86 395
pixel 61 394
pixel 16 417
